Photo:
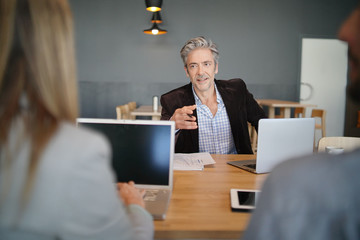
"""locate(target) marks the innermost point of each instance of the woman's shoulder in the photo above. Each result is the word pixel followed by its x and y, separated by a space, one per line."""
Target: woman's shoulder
pixel 73 133
pixel 77 142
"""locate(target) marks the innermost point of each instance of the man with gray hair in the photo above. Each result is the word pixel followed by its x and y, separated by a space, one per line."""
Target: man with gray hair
pixel 210 115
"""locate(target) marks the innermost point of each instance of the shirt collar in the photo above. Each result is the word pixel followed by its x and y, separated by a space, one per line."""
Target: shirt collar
pixel 198 101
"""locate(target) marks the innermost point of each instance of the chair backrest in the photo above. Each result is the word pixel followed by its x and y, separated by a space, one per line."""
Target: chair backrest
pixel 123 112
pixel 347 143
pixel 253 137
pixel 132 106
pixel 320 113
pixel 299 112
pixel 118 112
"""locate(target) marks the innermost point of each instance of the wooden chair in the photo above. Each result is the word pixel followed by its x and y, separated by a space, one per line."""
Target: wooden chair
pixel 253 137
pixel 118 112
pixel 132 107
pixel 299 112
pixel 320 113
pixel 347 143
pixel 122 112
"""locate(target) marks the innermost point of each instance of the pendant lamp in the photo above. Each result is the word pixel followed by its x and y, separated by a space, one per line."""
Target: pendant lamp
pixel 155 30
pixel 153 5
pixel 156 18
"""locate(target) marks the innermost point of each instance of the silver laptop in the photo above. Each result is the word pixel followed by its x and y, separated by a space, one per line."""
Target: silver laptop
pixel 279 140
pixel 143 151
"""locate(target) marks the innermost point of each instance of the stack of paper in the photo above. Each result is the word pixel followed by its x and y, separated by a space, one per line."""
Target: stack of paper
pixel 192 161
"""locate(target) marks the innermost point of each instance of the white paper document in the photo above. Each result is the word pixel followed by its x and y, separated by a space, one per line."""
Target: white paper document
pixel 192 161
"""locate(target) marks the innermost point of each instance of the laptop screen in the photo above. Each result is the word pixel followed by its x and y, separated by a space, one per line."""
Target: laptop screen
pixel 141 150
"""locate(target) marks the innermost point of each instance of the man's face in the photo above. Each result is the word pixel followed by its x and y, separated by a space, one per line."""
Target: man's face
pixel 201 69
pixel 350 33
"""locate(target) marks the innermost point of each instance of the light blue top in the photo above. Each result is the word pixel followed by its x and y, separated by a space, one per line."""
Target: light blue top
pixel 74 195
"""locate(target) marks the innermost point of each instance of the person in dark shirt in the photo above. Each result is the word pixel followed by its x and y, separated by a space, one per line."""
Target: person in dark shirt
pixel 315 197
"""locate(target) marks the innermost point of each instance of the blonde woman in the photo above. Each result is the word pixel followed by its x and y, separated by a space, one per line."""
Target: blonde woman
pixel 55 179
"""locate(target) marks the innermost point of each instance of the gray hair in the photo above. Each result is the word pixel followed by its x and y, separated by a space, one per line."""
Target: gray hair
pixel 199 42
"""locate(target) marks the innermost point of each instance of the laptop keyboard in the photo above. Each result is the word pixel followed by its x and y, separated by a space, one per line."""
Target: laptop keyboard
pixel 150 195
pixel 253 166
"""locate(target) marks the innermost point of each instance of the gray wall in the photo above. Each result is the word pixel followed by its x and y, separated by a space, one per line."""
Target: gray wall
pixel 259 41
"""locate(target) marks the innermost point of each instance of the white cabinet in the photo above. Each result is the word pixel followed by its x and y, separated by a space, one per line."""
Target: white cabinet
pixel 324 79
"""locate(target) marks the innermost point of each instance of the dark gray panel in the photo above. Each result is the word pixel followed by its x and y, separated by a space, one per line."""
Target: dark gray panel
pixel 259 41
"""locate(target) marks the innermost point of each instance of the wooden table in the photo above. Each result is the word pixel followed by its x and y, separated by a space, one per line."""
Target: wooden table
pixel 200 203
pixel 286 105
pixel 147 110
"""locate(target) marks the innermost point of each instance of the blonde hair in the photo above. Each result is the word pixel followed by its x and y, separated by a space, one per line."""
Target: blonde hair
pixel 36 61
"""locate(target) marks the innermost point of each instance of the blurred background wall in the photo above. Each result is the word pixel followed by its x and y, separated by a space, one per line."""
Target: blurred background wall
pixel 259 41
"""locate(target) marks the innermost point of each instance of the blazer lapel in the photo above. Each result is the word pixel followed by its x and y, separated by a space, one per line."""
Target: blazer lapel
pixel 229 101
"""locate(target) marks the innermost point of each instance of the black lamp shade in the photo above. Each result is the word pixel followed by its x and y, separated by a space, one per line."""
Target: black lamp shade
pixel 155 30
pixel 153 5
pixel 156 18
